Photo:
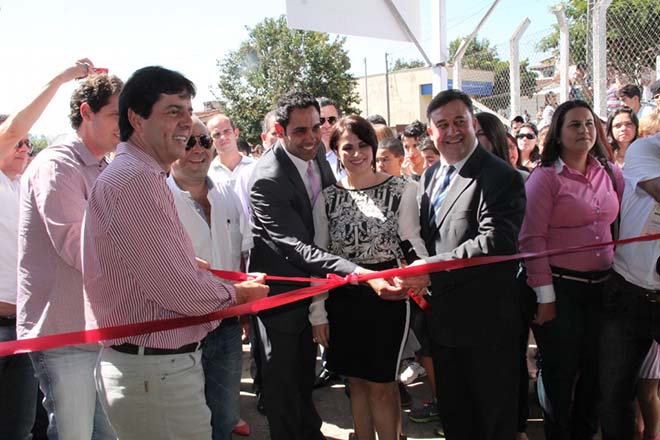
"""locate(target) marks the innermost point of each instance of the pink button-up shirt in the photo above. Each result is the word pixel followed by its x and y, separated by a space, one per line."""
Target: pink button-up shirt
pixel 138 262
pixel 565 208
pixel 54 191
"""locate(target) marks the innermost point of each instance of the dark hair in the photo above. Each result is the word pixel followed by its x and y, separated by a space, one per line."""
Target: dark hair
pixel 535 155
pixel 293 100
pixel 243 146
pixel 3 118
pixel 445 97
pixel 630 91
pixel 265 125
pixel 361 128
pixel 376 119
pixel 518 119
pixel 610 122
pixel 143 90
pixel 324 102
pixel 495 132
pixel 392 145
pixel 552 147
pixel 95 90
pixel 427 144
pixel 415 129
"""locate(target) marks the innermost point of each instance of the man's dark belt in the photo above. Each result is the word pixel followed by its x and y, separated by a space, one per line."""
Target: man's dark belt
pixel 623 285
pixel 582 277
pixel 146 351
pixel 7 321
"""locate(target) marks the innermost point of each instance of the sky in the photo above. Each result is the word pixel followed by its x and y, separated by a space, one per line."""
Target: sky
pixel 42 37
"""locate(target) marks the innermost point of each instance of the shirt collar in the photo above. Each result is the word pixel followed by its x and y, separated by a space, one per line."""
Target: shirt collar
pixel 559 164
pixel 300 164
pixel 139 154
pixel 175 187
pixel 216 163
pixel 86 156
pixel 458 165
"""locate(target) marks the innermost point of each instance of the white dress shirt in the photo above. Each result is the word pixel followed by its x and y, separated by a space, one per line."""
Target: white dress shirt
pixel 9 200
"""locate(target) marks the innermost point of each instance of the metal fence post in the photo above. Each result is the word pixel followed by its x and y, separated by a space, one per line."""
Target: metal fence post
pixel 514 67
pixel 564 54
pixel 599 57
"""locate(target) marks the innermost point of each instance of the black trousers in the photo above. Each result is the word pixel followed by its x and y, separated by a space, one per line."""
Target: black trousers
pixel 288 380
pixel 630 324
pixel 568 366
pixel 478 390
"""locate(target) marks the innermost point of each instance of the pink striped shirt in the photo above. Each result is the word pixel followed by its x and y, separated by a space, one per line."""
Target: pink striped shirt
pixel 138 262
pixel 565 208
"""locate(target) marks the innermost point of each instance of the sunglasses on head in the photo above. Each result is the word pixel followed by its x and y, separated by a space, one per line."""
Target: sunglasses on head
pixel 526 135
pixel 204 141
pixel 25 142
pixel 331 120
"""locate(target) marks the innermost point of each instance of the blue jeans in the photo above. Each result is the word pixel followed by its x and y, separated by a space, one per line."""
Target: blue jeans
pixel 222 358
pixel 18 388
pixel 66 377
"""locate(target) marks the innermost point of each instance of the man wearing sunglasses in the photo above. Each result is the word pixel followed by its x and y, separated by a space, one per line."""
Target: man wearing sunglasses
pixel 213 217
pixel 229 162
pixel 19 396
pixel 54 192
pixel 328 119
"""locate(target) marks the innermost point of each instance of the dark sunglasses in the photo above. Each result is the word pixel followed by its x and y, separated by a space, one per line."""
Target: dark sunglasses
pixel 526 135
pixel 204 142
pixel 25 142
pixel 331 120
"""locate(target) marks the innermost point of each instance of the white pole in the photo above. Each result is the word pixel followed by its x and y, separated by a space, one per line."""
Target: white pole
pixel 564 51
pixel 439 45
pixel 457 80
pixel 600 57
pixel 514 67
pixel 406 29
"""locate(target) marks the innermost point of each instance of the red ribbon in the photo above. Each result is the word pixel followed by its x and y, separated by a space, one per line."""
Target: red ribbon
pixel 333 281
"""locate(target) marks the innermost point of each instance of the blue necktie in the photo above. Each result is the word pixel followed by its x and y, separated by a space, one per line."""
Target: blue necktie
pixel 441 191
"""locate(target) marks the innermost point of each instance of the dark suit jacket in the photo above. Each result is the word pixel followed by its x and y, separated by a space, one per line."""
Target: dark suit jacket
pixel 481 215
pixel 283 231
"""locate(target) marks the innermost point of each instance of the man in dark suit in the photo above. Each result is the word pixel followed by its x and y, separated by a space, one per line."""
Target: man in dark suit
pixel 283 188
pixel 472 204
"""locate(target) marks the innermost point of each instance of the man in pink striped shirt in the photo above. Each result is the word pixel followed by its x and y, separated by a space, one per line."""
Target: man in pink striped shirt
pixel 139 265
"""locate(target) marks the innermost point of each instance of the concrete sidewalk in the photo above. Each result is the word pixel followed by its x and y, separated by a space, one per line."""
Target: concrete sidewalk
pixel 333 406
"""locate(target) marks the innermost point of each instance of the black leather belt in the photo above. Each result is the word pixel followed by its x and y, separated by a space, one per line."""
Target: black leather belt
pixel 652 296
pixel 146 351
pixel 7 321
pixel 582 277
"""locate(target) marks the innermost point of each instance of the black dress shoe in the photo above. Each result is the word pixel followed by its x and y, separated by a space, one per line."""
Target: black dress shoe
pixel 323 378
pixel 260 403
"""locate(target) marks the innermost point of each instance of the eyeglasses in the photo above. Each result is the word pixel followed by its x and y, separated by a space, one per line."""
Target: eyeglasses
pixel 331 120
pixel 204 141
pixel 529 136
pixel 26 143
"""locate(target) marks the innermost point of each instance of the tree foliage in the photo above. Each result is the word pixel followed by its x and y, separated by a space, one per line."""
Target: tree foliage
pixel 401 64
pixel 481 55
pixel 633 34
pixel 274 60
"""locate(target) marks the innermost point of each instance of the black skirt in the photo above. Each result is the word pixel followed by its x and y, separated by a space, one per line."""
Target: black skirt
pixel 367 333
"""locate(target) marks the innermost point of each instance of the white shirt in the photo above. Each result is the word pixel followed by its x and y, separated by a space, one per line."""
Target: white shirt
pixel 440 173
pixel 331 157
pixel 645 109
pixel 636 262
pixel 9 201
pixel 229 234
pixel 220 173
pixel 302 166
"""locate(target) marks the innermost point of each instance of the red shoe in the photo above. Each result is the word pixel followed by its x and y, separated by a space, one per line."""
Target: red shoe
pixel 243 428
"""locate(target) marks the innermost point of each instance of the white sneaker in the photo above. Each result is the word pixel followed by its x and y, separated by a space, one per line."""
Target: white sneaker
pixel 411 372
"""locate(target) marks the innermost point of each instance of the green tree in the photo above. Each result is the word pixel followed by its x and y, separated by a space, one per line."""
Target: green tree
pixel 39 142
pixel 480 55
pixel 401 64
pixel 275 59
pixel 633 34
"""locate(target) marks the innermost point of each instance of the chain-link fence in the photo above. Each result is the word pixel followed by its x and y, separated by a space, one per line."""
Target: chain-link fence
pixel 632 53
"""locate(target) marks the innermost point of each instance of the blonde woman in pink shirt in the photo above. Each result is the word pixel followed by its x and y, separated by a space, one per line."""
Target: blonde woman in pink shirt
pixel 572 199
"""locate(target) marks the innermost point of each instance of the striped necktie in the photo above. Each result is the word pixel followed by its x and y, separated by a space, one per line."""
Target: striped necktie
pixel 314 182
pixel 441 191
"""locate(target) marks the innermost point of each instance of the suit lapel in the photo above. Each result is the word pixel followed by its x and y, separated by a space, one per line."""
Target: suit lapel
pixel 292 173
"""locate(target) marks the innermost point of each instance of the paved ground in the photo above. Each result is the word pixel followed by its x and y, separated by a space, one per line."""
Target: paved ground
pixel 333 406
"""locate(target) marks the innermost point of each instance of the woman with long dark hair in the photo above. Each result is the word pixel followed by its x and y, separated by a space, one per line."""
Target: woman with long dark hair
pixel 622 128
pixel 571 201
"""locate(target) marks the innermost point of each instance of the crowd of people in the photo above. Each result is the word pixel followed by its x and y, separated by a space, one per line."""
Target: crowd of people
pixel 119 223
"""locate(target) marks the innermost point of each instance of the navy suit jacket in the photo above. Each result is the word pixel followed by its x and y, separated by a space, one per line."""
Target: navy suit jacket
pixel 481 215
pixel 283 230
